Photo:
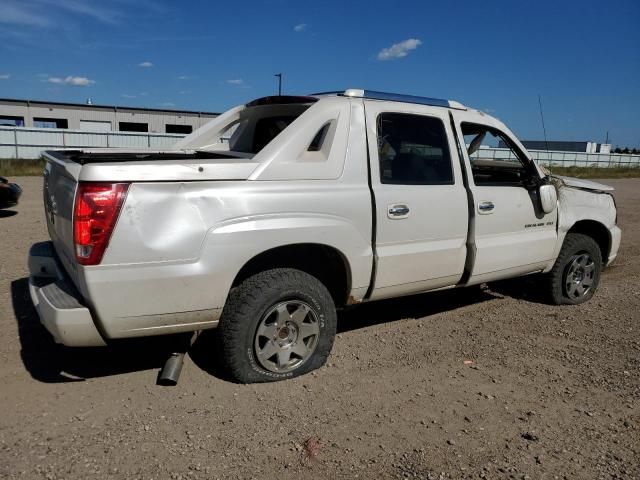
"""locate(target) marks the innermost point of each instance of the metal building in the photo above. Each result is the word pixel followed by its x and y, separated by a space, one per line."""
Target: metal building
pixel 99 118
pixel 563 145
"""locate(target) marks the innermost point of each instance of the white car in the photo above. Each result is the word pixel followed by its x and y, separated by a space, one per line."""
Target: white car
pixel 277 212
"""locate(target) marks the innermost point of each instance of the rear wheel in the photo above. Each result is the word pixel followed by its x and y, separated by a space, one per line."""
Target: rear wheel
pixel 276 324
pixel 575 276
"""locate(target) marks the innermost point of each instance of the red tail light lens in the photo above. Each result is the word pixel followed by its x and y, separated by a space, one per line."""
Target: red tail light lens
pixel 95 214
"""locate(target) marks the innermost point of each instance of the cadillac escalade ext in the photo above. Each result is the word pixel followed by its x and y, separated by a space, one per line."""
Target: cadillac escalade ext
pixel 276 213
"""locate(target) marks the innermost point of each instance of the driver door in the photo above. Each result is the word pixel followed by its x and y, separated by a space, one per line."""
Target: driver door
pixel 511 233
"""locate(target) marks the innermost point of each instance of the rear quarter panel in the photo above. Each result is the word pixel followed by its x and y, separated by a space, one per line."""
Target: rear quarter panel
pixel 177 247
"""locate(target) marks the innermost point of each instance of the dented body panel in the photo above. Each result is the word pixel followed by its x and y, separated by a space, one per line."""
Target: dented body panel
pixel 581 200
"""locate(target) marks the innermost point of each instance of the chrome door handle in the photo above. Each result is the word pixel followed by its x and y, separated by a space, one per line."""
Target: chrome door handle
pixel 486 207
pixel 398 211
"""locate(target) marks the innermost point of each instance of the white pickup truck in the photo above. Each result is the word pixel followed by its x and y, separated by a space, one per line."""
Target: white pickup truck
pixel 277 212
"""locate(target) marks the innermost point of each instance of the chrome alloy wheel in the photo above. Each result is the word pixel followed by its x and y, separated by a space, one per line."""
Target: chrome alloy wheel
pixel 287 336
pixel 579 275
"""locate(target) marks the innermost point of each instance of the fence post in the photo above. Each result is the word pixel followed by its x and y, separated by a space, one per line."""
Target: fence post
pixel 15 139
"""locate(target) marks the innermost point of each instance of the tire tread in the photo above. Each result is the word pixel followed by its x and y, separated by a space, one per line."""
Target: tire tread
pixel 241 306
pixel 573 243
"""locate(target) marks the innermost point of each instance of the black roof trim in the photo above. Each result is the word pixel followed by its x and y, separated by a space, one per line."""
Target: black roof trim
pixel 281 100
pixel 111 107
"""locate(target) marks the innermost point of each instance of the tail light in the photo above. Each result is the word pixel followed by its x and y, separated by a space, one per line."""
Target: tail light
pixel 95 213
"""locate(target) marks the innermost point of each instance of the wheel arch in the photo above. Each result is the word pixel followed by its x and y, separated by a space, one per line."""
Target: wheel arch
pixel 596 230
pixel 326 263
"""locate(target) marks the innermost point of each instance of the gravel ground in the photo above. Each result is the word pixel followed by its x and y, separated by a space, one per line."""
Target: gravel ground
pixel 552 392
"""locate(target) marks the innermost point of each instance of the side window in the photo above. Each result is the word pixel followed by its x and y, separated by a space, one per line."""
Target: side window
pixel 494 159
pixel 413 150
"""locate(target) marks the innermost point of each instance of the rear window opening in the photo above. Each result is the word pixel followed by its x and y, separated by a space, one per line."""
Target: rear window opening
pixel 268 128
pixel 260 125
pixel 247 130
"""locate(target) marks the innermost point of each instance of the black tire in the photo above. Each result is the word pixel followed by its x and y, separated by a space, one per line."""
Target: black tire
pixel 245 311
pixel 559 287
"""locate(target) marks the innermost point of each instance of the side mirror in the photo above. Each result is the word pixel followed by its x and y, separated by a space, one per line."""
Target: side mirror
pixel 548 198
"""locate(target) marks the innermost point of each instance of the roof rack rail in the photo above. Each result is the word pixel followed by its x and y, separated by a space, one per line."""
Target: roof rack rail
pixel 395 97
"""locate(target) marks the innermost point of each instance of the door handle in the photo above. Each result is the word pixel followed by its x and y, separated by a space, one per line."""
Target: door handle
pixel 486 207
pixel 398 211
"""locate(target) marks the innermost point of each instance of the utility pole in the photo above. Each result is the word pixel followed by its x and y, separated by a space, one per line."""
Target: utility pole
pixel 279 75
pixel 607 140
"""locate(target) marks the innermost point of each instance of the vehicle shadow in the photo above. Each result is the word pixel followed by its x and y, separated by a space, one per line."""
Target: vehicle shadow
pixel 527 288
pixel 204 354
pixel 50 362
pixel 7 213
pixel 410 307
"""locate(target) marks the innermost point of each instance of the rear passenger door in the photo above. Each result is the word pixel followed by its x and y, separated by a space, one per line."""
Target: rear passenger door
pixel 421 203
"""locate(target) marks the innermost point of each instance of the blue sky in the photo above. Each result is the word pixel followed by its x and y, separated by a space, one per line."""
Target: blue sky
pixel 582 57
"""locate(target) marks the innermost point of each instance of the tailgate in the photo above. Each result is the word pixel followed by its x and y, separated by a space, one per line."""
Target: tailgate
pixel 59 189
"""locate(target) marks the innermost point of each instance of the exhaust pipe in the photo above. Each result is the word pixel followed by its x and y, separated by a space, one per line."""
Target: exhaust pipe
pixel 171 370
pixel 170 373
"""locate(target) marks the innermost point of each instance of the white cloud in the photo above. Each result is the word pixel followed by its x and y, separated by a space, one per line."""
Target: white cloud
pixel 73 81
pixel 145 64
pixel 49 13
pixel 89 9
pixel 167 104
pixel 184 92
pixel 15 13
pixel 184 77
pixel 5 76
pixel 128 95
pixel 399 50
pixel 237 81
pixel 301 27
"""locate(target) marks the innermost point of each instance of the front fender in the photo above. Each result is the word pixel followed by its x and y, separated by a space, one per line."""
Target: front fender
pixel 575 205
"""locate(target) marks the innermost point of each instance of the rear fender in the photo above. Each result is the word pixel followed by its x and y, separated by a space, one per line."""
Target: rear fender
pixel 233 243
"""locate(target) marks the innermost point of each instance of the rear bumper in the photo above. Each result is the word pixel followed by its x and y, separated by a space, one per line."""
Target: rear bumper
pixel 57 302
pixel 616 235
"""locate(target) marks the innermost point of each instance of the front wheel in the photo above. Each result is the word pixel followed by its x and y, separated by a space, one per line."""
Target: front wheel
pixel 575 276
pixel 276 324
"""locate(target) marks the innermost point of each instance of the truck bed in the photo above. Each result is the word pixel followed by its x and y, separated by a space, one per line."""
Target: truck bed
pixel 84 157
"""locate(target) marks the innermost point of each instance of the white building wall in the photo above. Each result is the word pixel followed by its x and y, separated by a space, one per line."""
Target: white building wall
pixel 75 114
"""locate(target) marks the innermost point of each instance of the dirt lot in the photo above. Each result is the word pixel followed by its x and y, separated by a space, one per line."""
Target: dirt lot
pixel 553 392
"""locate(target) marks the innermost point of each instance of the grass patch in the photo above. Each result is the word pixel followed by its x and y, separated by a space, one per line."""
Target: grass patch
pixel 10 167
pixel 592 172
